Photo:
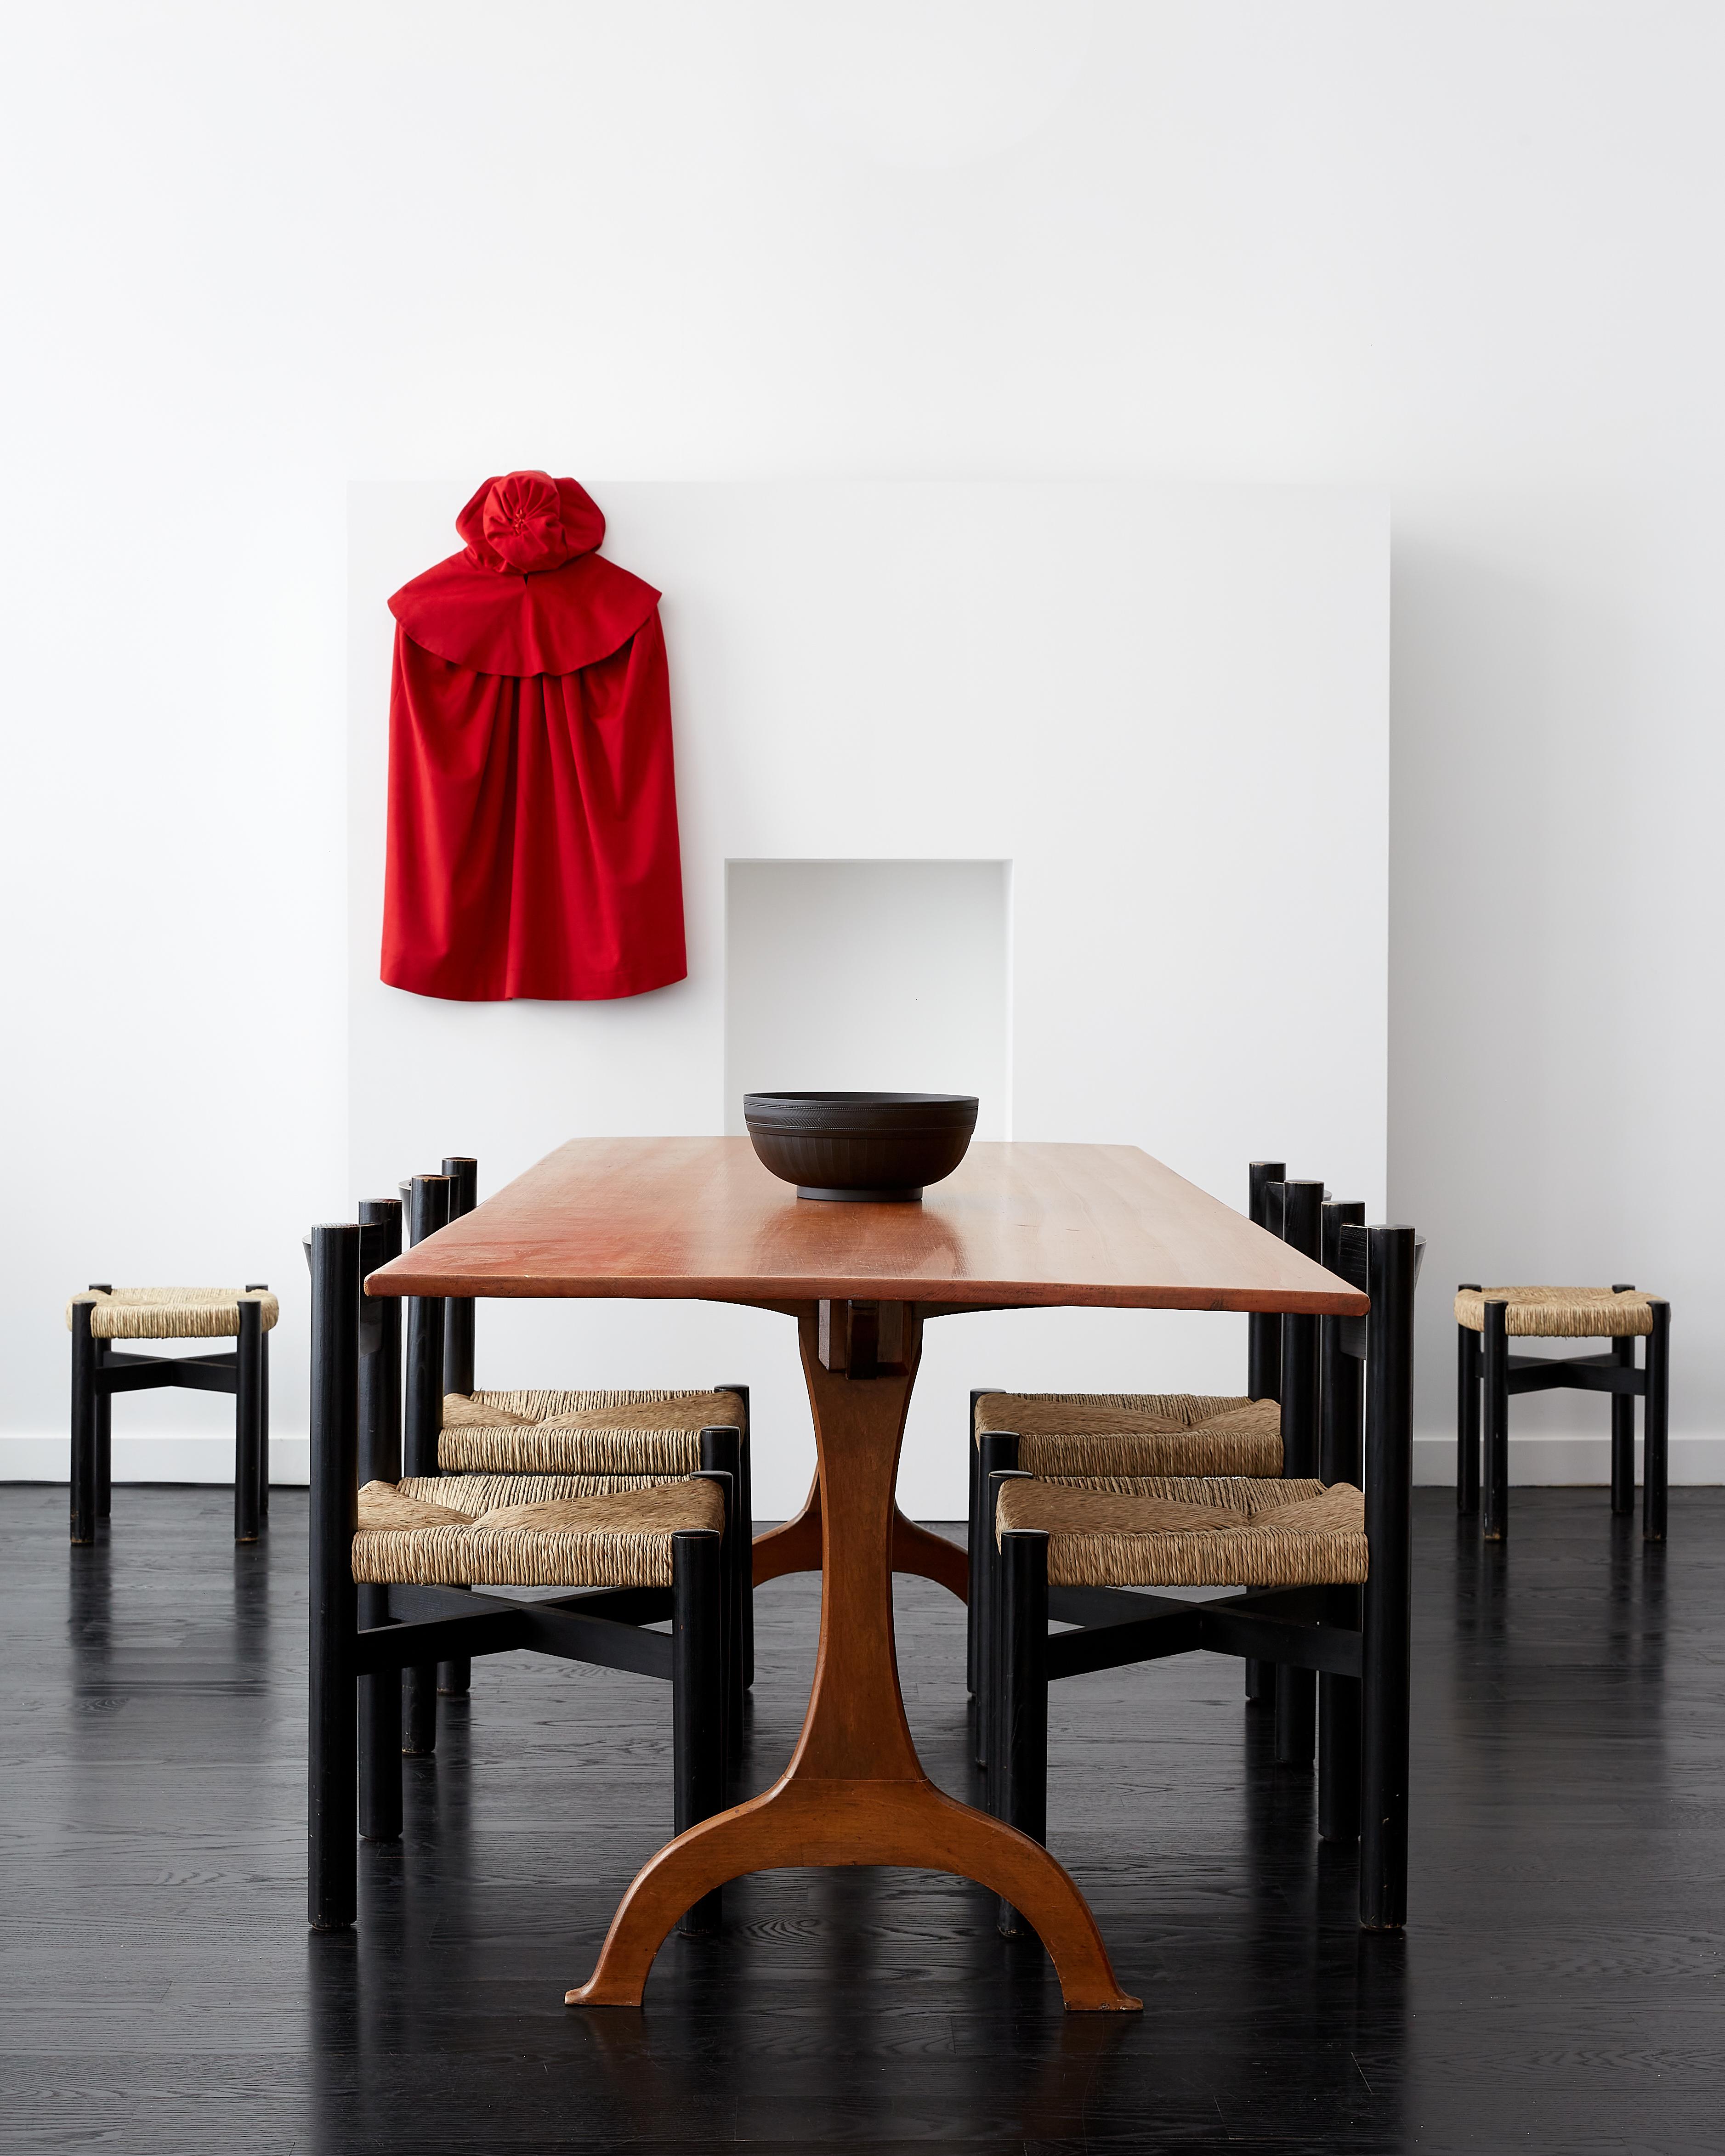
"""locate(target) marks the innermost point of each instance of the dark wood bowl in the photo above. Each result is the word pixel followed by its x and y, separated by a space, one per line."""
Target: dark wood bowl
pixel 861 1145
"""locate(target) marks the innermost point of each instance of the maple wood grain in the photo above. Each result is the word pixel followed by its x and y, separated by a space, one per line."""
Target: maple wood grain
pixel 1016 1225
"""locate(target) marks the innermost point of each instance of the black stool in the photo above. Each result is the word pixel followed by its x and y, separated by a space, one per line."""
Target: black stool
pixel 1488 1318
pixel 105 1315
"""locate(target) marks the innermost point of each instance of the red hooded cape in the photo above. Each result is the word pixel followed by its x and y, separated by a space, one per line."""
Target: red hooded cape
pixel 532 803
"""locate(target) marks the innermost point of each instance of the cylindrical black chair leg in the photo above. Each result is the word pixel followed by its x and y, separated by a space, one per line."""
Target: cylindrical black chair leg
pixel 1656 1422
pixel 746 1535
pixel 1338 1707
pixel 454 1679
pixel 998 1455
pixel 85 1499
pixel 1295 1718
pixel 972 1518
pixel 379 1734
pixel 720 1460
pixel 1467 1415
pixel 698 1684
pixel 1385 1644
pixel 333 1897
pixel 248 1421
pixel 1021 1718
pixel 424 1422
pixel 419 1710
pixel 1495 1362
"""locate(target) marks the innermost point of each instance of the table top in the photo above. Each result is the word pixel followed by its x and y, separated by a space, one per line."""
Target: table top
pixel 1015 1226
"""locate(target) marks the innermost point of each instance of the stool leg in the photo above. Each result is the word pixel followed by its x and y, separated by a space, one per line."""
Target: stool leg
pixel 1467 1417
pixel 262 1287
pixel 1656 1426
pixel 1494 1358
pixel 248 1421
pixel 1623 1435
pixel 1021 1714
pixel 699 1683
pixel 85 1493
pixel 380 1768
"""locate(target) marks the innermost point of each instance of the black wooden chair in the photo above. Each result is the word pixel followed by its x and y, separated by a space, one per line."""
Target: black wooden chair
pixel 100 1369
pixel 1325 1571
pixel 625 1435
pixel 1101 1437
pixel 395 1568
pixel 1488 1318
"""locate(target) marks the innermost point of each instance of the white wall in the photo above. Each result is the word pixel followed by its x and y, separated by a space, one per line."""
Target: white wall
pixel 891 975
pixel 1462 248
pixel 1151 719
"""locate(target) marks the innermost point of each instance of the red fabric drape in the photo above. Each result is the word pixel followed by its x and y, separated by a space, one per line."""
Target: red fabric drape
pixel 532 799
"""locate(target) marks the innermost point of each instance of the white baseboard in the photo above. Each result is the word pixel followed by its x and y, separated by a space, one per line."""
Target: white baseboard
pixel 162 1457
pixel 1571 1460
pixel 156 1456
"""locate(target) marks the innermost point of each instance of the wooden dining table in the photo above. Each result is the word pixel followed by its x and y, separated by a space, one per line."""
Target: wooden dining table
pixel 1018 1226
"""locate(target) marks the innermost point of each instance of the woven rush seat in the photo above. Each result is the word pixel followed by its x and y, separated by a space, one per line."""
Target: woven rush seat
pixel 172 1313
pixel 652 1434
pixel 614 1538
pixel 1099 1434
pixel 1560 1313
pixel 1277 1534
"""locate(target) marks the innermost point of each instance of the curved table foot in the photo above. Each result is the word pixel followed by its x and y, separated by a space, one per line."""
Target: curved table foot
pixel 812 1822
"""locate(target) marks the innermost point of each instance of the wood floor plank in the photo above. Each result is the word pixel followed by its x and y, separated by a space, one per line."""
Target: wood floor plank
pixel 1555 1990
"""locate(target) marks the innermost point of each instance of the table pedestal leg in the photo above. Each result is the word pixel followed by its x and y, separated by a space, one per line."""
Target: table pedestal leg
pixel 795 1547
pixel 855 1792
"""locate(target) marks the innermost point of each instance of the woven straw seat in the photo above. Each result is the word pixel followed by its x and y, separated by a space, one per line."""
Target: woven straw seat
pixel 1095 1435
pixel 1560 1313
pixel 613 1538
pixel 650 1433
pixel 172 1313
pixel 1279 1534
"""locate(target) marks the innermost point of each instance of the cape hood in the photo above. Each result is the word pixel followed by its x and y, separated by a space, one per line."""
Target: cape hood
pixel 528 594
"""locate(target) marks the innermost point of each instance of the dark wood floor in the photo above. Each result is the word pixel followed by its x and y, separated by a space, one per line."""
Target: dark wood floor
pixel 1560 1987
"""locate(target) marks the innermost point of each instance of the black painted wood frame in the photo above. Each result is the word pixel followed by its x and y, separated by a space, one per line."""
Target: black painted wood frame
pixel 99 1370
pixel 1358 1640
pixel 364 1639
pixel 1484 1366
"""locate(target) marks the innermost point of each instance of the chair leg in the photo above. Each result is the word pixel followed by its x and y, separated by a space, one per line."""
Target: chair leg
pixel 721 1461
pixel 380 1768
pixel 746 1516
pixel 424 1421
pixel 699 1684
pixel 1467 1417
pixel 333 1689
pixel 248 1421
pixel 1021 1720
pixel 262 1287
pixel 971 1515
pixel 1386 1627
pixel 1655 1448
pixel 1338 1733
pixel 86 1479
pixel 1495 1361
pixel 998 1453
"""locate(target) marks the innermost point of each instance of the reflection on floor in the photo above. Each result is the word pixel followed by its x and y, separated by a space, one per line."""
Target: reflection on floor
pixel 1557 1988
